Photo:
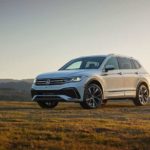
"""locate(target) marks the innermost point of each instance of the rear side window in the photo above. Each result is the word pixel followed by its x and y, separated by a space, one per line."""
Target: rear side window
pixel 124 63
pixel 137 65
pixel 133 64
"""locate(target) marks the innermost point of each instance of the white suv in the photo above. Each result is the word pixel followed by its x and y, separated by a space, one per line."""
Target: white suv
pixel 93 80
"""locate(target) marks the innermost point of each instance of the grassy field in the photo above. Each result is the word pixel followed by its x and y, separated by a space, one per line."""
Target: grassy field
pixel 117 126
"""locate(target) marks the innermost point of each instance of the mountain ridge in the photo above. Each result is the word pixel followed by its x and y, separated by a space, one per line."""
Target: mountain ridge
pixel 12 89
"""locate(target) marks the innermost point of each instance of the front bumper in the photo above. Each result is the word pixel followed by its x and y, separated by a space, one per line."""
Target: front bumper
pixel 70 92
pixel 67 94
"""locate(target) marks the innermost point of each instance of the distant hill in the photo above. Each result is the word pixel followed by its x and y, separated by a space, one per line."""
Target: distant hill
pixel 15 89
pixel 14 80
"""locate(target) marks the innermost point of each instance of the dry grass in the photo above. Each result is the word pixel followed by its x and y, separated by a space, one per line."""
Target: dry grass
pixel 121 126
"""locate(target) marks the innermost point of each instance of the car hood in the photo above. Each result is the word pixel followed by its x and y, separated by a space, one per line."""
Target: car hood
pixel 68 73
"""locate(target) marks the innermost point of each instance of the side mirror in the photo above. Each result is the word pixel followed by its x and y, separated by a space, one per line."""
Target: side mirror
pixel 109 67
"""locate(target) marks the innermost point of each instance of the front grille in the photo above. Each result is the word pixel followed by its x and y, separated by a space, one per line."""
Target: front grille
pixel 71 92
pixel 50 81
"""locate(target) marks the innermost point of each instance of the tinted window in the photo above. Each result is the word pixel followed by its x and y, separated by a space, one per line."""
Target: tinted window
pixel 137 65
pixel 84 63
pixel 113 61
pixel 132 63
pixel 124 63
pixel 91 64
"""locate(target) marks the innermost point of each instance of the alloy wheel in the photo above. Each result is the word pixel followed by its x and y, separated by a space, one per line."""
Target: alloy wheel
pixel 94 96
pixel 143 94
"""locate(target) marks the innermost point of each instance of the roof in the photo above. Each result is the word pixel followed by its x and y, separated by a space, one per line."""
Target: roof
pixel 107 55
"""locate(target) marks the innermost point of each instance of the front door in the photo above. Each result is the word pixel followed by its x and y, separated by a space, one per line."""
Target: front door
pixel 113 80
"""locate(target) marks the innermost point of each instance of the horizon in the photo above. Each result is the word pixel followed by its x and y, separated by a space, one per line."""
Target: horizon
pixel 41 36
pixel 58 68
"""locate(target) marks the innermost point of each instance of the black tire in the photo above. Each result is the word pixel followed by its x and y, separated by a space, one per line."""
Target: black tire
pixel 142 96
pixel 47 104
pixel 93 97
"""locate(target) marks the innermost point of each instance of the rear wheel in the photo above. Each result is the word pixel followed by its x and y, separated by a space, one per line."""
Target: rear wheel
pixel 47 104
pixel 142 96
pixel 93 96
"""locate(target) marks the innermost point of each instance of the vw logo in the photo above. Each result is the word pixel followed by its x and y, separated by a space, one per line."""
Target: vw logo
pixel 48 81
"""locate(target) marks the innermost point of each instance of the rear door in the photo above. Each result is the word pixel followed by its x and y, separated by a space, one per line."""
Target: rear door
pixel 130 76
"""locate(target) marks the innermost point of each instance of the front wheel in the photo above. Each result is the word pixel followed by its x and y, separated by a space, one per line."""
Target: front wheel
pixel 142 96
pixel 93 97
pixel 47 104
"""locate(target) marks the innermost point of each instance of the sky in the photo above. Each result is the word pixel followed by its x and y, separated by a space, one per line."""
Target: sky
pixel 38 36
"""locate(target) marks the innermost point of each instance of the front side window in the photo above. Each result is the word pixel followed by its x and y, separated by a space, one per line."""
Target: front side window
pixel 84 63
pixel 124 63
pixel 113 62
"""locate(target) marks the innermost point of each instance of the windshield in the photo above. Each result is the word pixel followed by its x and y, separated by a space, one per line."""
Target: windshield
pixel 84 63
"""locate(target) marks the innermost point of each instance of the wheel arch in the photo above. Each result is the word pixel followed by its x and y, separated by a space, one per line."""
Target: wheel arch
pixel 95 81
pixel 143 82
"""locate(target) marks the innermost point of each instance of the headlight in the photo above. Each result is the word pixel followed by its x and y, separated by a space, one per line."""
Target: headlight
pixel 34 81
pixel 75 79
